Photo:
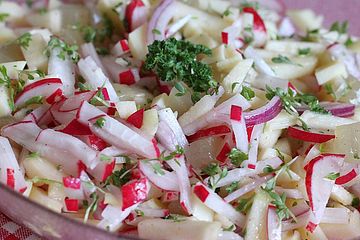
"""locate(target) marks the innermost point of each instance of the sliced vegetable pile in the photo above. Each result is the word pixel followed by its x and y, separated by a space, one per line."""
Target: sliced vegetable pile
pixel 183 119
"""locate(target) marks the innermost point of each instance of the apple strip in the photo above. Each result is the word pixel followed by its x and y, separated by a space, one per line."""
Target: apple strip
pixel 217 204
pixel 117 133
pixel 10 173
pixel 319 184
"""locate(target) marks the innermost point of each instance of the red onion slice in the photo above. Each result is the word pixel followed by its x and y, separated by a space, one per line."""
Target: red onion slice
pixel 336 109
pixel 265 113
pixel 160 12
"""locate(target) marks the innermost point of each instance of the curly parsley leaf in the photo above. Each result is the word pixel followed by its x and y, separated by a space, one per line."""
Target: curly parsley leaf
pixel 341 28
pixel 247 93
pixel 176 60
pixel 215 172
pixel 24 40
pixel 237 157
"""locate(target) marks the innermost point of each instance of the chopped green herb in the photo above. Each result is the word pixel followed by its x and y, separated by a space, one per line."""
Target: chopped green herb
pixel 230 229
pixel 244 205
pixel 119 177
pixel 341 28
pixel 92 207
pixel 247 93
pixel 268 169
pixel 24 40
pixel 102 51
pixel 100 122
pixel 237 157
pixel 34 100
pixel 34 155
pixel 175 218
pixel 311 35
pixel 175 60
pixel 158 169
pixel 3 16
pixel 355 202
pixel 178 152
pixel 282 210
pixel 304 126
pixel 329 90
pixel 139 212
pixel 89 34
pixel 280 59
pixel 232 187
pixel 107 29
pixel 356 156
pixel 66 50
pixel 291 100
pixel 333 176
pixel 349 42
pixel 105 158
pixel 304 51
pixel 227 13
pixel 216 173
pixel 156 31
pixel 180 88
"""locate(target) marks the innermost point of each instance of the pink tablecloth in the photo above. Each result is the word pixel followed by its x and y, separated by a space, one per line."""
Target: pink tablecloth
pixel 12 231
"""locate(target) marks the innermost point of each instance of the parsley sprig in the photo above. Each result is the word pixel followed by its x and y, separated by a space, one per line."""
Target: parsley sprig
pixel 24 40
pixel 341 28
pixel 291 100
pixel 176 60
pixel 237 157
pixel 280 59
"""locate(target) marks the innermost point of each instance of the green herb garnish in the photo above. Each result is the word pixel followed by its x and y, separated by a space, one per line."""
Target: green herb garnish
pixel 333 176
pixel 304 51
pixel 237 157
pixel 66 50
pixel 247 93
pixel 175 60
pixel 100 122
pixel 341 28
pixel 24 40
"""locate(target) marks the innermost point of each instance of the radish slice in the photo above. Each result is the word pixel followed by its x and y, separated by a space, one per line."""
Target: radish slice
pixel 89 50
pixel 95 77
pixel 73 188
pixel 63 69
pixel 260 63
pixel 45 88
pixel 76 128
pixel 247 188
pixel 318 187
pixel 136 14
pixel 10 173
pixel 260 33
pixel 169 131
pixel 167 181
pixel 254 144
pixel 229 34
pixel 170 197
pixel 116 133
pixel 307 136
pixel 71 205
pixel 348 177
pixel 136 119
pixel 273 224
pixel 220 130
pixel 129 76
pixel 265 113
pixel 179 166
pixel 74 102
pixel 218 205
pixel 239 128
pixel 103 170
pixel 134 192
pixel 120 48
pixel 114 216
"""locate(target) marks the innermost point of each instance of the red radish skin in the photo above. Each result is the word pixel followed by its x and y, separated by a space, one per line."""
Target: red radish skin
pixel 130 11
pixel 259 24
pixel 97 143
pixel 236 113
pixel 346 178
pixel 300 134
pixel 134 192
pixel 73 183
pixel 81 167
pixel 249 131
pixel 10 182
pixel 225 37
pixel 55 97
pixel 72 205
pixel 136 119
pixel 251 166
pixel 76 128
pixel 156 147
pixel 109 168
pixel 224 152
pixel 201 192
pixel 128 77
pixel 209 132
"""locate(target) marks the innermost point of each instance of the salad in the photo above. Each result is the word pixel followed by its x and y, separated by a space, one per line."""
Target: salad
pixel 170 119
